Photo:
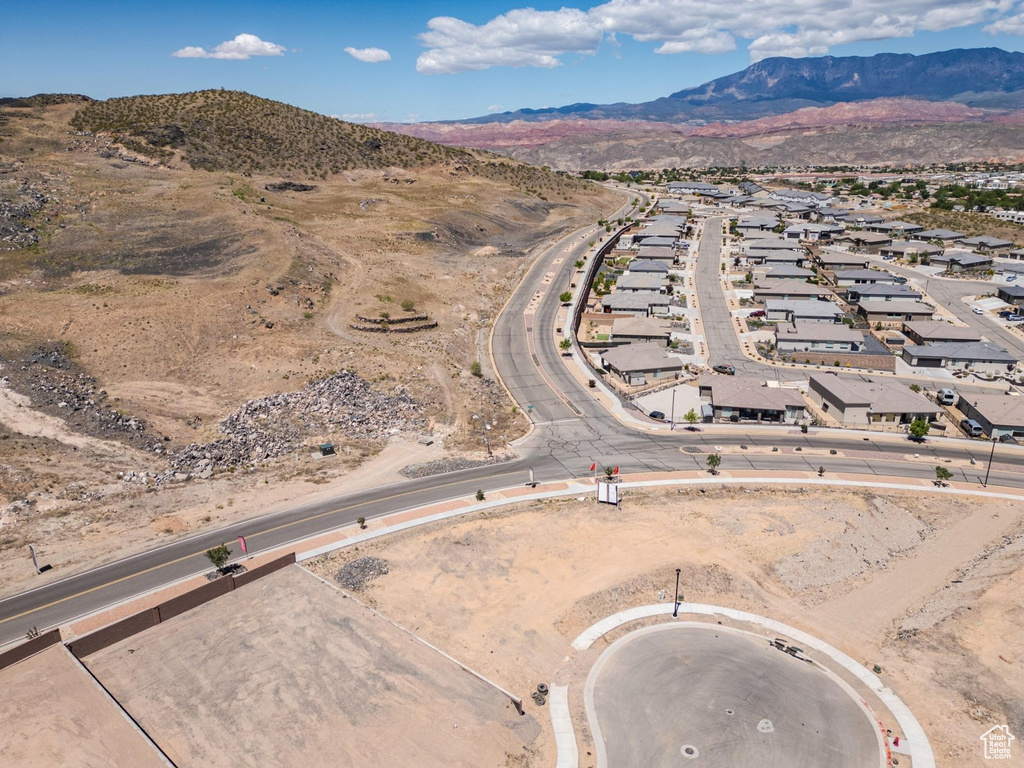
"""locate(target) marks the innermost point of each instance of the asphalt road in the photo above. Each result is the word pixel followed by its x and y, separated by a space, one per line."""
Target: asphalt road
pixel 571 431
pixel 669 694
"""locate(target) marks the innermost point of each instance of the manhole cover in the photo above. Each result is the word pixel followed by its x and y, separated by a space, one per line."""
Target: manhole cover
pixel 689 750
pixel 765 726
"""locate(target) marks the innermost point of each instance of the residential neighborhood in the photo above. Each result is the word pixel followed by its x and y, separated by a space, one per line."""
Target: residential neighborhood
pixel 846 314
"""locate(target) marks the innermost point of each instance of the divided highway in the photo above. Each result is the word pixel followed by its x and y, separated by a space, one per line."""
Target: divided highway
pixel 571 430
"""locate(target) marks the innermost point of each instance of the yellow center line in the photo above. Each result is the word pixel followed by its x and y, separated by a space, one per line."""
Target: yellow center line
pixel 250 536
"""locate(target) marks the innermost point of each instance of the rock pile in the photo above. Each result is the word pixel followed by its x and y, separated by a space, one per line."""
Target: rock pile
pixel 56 386
pixel 342 404
pixel 358 573
pixel 16 210
pixel 443 466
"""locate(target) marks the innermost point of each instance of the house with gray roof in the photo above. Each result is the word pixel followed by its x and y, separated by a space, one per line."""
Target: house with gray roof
pixel 863 277
pixel 795 290
pixel 787 272
pixel 865 403
pixel 640 329
pixel 690 187
pixel 1012 294
pixel 756 223
pixel 894 313
pixel 639 364
pixel 812 231
pixel 739 398
pixel 985 243
pixel 943 235
pixel 895 228
pixel 978 356
pixel 903 249
pixel 812 311
pixel 868 242
pixel 958 261
pixel 647 266
pixel 802 336
pixel 839 260
pixel 998 414
pixel 640 304
pixel 860 219
pixel 656 253
pixel 643 281
pixel 881 292
pixel 931 331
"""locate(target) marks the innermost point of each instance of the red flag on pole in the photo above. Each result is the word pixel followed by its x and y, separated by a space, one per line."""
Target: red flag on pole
pixel 616 471
pixel 593 466
pixel 241 544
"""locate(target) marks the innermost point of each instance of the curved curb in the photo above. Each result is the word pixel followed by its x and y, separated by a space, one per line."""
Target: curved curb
pixel 916 739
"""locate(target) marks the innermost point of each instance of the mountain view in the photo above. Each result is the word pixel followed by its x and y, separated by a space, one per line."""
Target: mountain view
pixel 957 104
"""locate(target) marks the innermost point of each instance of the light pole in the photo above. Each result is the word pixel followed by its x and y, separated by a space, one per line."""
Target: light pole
pixel 675 608
pixel 990 455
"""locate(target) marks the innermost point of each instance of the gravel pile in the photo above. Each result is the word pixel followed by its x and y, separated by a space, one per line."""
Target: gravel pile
pixel 277 425
pixel 359 572
pixel 442 466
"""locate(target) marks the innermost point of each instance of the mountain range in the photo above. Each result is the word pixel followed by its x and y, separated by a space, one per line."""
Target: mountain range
pixel 771 107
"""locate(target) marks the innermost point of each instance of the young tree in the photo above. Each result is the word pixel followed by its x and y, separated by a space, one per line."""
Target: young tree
pixel 691 417
pixel 942 474
pixel 565 345
pixel 475 370
pixel 565 297
pixel 219 556
pixel 919 429
pixel 480 495
pixel 408 305
pixel 714 462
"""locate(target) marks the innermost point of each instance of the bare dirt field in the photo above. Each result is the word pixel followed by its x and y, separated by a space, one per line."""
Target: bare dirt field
pixel 926 586
pixel 54 714
pixel 290 671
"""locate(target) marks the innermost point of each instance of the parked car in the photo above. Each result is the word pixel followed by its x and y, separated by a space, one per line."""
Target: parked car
pixel 900 280
pixel 972 428
pixel 1006 313
pixel 1008 439
pixel 1015 318
pixel 657 415
pixel 978 311
pixel 757 313
pixel 1011 278
pixel 946 397
pixel 728 370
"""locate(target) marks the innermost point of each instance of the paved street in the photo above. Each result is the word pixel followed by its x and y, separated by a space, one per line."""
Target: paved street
pixel 571 431
pixel 669 694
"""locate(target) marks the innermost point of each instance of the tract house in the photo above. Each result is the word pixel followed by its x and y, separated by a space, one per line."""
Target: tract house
pixel 932 331
pixel 895 312
pixel 791 290
pixel 998 414
pixel 977 356
pixel 802 336
pixel 811 311
pixel 639 364
pixel 739 398
pixel 863 403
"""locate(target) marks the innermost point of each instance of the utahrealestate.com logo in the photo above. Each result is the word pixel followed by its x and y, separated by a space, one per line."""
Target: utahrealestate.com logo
pixel 997 742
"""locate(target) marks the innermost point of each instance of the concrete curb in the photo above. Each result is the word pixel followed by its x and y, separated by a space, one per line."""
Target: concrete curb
pixel 561 723
pixel 915 738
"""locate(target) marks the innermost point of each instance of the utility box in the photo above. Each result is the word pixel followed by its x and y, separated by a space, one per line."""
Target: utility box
pixel 327 449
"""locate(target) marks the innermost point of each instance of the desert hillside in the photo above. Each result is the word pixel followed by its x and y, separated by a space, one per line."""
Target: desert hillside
pixel 175 286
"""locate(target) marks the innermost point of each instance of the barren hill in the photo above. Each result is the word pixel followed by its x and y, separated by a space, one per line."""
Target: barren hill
pixel 144 298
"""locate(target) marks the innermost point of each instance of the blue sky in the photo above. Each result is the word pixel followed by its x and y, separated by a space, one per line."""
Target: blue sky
pixel 403 60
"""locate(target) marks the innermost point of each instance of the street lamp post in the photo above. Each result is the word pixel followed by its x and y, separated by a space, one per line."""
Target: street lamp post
pixel 990 455
pixel 675 608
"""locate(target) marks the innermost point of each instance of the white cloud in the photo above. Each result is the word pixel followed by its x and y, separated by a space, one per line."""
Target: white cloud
pixel 495 108
pixel 369 55
pixel 244 46
pixel 530 38
pixel 360 117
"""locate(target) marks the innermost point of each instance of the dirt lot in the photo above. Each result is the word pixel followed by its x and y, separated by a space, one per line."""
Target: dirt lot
pixel 290 671
pixel 926 586
pixel 175 296
pixel 54 714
